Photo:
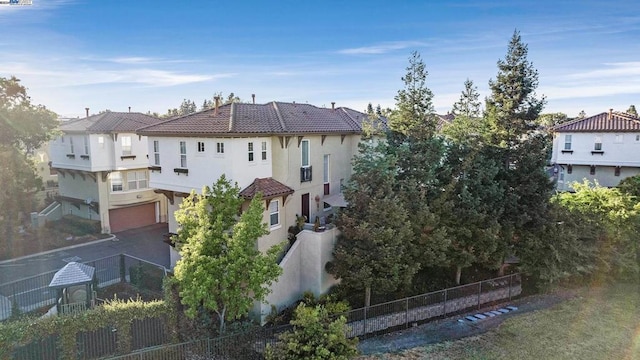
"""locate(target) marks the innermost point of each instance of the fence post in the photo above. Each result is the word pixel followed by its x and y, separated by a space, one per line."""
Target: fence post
pixel 406 313
pixel 444 310
pixel 123 270
pixel 364 329
pixel 510 284
pixel 479 293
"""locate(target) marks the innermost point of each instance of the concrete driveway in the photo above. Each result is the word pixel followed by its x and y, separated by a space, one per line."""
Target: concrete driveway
pixel 145 243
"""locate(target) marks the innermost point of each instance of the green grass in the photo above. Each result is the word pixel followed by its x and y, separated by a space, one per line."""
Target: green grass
pixel 602 323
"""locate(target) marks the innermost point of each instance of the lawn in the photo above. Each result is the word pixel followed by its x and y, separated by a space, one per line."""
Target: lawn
pixel 601 323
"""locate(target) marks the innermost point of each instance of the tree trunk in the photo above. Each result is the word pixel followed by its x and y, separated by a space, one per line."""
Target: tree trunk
pixel 367 296
pixel 221 325
pixel 458 274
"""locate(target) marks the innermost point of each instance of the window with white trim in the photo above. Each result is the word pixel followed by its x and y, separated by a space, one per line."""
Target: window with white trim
pixel 637 139
pixel 619 139
pixel 274 213
pixel 101 141
pixel 71 144
pixel 264 150
pixel 305 153
pixel 183 154
pixel 126 145
pixel 200 146
pixel 597 144
pixel 220 148
pixel 250 151
pixel 116 181
pixel 325 176
pixel 567 142
pixel 156 152
pixel 136 180
pixel 86 144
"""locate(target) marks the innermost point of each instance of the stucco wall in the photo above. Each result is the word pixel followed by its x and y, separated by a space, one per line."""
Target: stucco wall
pixel 622 153
pixel 605 175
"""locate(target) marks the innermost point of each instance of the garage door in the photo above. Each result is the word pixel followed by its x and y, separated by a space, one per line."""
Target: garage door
pixel 132 217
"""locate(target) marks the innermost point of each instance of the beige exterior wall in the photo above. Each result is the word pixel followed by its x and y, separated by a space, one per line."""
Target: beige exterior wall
pixel 605 175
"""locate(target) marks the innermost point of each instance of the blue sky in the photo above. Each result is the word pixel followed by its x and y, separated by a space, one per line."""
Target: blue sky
pixel 152 54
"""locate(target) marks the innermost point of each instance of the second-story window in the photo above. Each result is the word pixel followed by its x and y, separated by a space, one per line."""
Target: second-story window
pixel 250 151
pixel 220 148
pixel 101 141
pixel 183 154
pixel 274 213
pixel 200 146
pixel 567 142
pixel 71 145
pixel 305 153
pixel 325 175
pixel 86 145
pixel 264 150
pixel 156 152
pixel 597 145
pixel 619 139
pixel 126 145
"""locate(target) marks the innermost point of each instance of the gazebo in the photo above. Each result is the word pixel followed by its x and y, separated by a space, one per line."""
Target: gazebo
pixel 74 285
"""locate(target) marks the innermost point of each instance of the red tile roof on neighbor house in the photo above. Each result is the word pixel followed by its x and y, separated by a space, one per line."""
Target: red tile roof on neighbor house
pixel 612 121
pixel 109 122
pixel 269 188
pixel 271 118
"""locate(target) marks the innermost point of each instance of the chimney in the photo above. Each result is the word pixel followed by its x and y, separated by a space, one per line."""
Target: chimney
pixel 87 110
pixel 253 96
pixel 129 108
pixel 215 110
pixel 333 105
pixel 610 114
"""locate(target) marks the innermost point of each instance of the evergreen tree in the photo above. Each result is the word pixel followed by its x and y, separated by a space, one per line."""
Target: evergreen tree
pixel 467 125
pixel 373 249
pixel 415 114
pixel 469 104
pixel 221 268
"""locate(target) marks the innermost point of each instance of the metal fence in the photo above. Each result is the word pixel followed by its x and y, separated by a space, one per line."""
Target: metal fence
pixel 364 322
pixel 33 293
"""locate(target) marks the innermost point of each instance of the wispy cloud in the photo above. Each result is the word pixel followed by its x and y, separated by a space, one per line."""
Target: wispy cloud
pixel 383 48
pixel 141 60
pixel 625 69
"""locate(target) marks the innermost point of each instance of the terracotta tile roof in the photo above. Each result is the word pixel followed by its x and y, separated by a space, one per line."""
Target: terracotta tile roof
pixel 603 122
pixel 269 188
pixel 271 118
pixel 72 274
pixel 108 122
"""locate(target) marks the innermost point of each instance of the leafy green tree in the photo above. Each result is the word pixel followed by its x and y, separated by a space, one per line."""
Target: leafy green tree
pixel 316 335
pixel 613 217
pixel 552 119
pixel 632 110
pixel 221 268
pixel 415 113
pixel 374 246
pixel 23 128
pixel 467 125
pixel 630 186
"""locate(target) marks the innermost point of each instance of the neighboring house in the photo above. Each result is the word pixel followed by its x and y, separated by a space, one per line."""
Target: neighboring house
pixel 604 147
pixel 102 171
pixel 297 155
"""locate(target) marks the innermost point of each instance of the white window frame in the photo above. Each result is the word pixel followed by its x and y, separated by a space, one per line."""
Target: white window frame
pixel 567 142
pixel 156 152
pixel 637 138
pixel 200 146
pixel 183 154
pixel 618 138
pixel 263 155
pixel 250 152
pixel 137 180
pixel 597 143
pixel 71 144
pixel 220 147
pixel 86 144
pixel 125 142
pixel 115 179
pixel 273 212
pixel 101 141
pixel 303 144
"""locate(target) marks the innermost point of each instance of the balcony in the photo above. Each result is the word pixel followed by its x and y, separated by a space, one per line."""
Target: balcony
pixel 305 174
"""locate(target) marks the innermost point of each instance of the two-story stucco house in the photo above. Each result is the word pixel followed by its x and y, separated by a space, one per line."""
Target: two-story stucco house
pixel 603 147
pixel 102 167
pixel 296 155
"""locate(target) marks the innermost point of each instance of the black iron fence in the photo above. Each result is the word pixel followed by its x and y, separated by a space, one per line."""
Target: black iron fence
pixel 33 293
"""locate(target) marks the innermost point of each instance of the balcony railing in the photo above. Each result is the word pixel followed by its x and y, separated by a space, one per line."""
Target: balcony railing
pixel 305 174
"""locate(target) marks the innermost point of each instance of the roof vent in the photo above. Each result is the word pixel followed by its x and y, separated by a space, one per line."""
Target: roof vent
pixel 253 96
pixel 215 111
pixel 610 114
pixel 87 110
pixel 333 105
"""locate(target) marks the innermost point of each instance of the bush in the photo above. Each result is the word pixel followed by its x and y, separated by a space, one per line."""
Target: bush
pixel 74 225
pixel 146 276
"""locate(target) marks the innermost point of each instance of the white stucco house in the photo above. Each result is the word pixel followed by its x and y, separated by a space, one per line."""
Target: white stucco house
pixel 296 155
pixel 603 147
pixel 103 174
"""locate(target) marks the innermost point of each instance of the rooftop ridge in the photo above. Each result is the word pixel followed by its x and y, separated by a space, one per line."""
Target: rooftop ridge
pixel 279 116
pixel 231 116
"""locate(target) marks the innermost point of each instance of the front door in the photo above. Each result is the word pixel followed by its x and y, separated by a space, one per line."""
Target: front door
pixel 305 206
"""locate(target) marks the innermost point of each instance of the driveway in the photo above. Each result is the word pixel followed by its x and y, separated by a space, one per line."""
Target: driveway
pixel 146 243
